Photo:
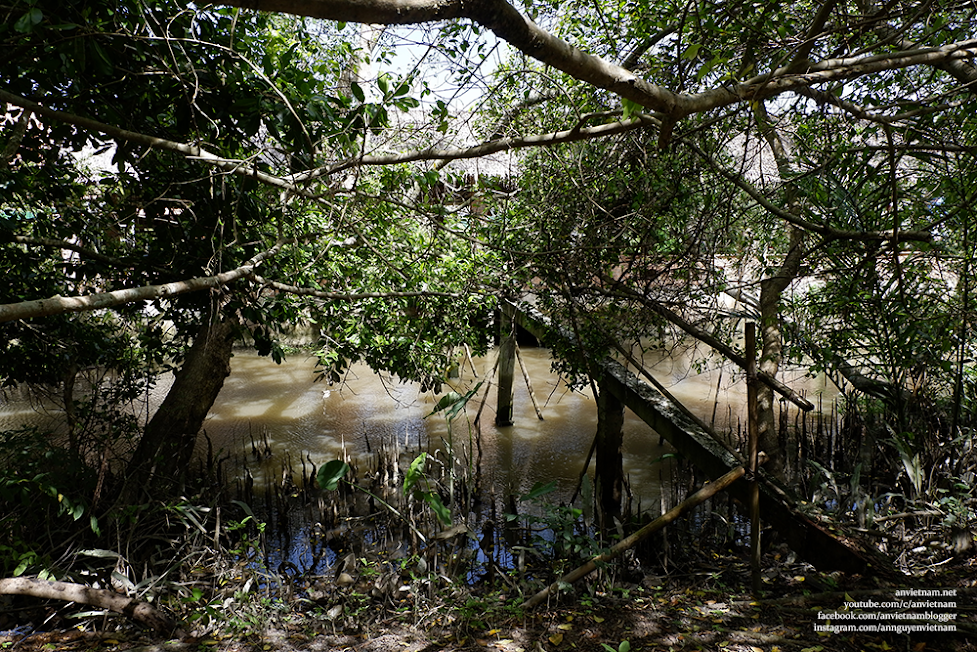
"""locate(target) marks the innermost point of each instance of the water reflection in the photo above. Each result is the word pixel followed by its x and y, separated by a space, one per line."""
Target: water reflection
pixel 305 423
pixel 369 411
pixel 305 420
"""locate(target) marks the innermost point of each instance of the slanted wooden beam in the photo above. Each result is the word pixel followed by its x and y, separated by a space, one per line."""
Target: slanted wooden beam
pixel 814 542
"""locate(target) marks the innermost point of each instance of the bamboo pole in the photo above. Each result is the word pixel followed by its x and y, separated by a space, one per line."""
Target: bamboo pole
pixel 698 497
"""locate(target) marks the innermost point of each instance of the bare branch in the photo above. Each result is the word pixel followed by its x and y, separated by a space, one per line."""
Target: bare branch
pixel 825 231
pixel 234 166
pixel 863 113
pixel 138 610
pixel 485 149
pixel 57 304
pixel 69 246
pixel 706 338
pixel 346 296
pixel 817 25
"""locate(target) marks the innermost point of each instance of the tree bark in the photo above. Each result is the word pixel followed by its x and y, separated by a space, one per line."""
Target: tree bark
pixel 57 304
pixel 771 291
pixel 772 351
pixel 138 610
pixel 170 436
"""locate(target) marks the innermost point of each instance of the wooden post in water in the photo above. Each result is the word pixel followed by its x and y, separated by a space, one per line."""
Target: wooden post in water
pixel 507 368
pixel 609 463
pixel 751 400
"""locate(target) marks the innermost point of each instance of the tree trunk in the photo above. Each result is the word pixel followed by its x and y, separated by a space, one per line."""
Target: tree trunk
pixel 771 290
pixel 772 351
pixel 170 436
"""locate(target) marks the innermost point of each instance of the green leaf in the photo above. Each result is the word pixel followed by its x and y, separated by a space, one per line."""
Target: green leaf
pixel 691 51
pixel 452 403
pixel 21 567
pixel 331 473
pixel 630 108
pixel 26 22
pixel 539 489
pixel 414 472
pixel 438 507
pixel 358 92
pixel 446 401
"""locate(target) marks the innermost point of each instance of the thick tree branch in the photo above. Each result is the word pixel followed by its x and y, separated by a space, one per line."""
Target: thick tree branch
pixel 523 34
pixel 57 304
pixel 140 611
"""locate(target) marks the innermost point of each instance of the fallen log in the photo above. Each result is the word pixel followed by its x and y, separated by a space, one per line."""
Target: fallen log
pixel 707 491
pixel 140 611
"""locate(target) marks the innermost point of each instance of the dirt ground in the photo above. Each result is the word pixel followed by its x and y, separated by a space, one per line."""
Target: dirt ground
pixel 700 611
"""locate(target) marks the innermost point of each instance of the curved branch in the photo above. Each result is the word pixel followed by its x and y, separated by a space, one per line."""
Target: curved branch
pixel 523 34
pixel 138 610
pixel 234 166
pixel 827 232
pixel 825 98
pixel 69 246
pixel 485 149
pixel 346 296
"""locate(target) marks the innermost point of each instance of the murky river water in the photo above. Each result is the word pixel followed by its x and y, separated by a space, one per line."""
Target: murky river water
pixel 369 411
pixel 302 419
pixel 299 419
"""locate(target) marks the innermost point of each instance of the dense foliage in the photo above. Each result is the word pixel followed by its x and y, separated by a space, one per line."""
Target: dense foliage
pixel 652 175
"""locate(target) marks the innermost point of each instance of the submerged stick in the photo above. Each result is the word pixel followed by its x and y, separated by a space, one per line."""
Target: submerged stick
pixel 471 363
pixel 529 384
pixel 708 491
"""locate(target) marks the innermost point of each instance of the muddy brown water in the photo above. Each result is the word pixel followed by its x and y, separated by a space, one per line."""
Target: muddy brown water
pixel 299 419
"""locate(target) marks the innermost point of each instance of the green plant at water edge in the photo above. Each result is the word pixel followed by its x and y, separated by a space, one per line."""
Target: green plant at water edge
pixel 414 478
pixel 41 486
pixel 334 472
pixel 556 533
pixel 623 647
pixel 451 404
